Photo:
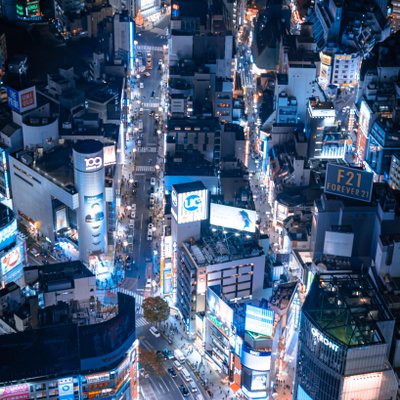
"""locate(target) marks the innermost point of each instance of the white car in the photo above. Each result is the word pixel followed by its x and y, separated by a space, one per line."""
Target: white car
pixel 141 85
pixel 133 214
pixel 149 236
pixel 152 181
pixel 154 331
pixel 148 284
pixel 150 226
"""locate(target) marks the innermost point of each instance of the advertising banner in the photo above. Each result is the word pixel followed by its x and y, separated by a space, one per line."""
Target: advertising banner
pixel 167 280
pixel 27 99
pixel 168 247
pixel 190 206
pixel 94 208
pixel 109 155
pixel 66 389
pixel 259 320
pixel 12 259
pixel 8 234
pixel 61 219
pixel 15 392
pixel 221 310
pixel 256 360
pixel 348 182
pixel 233 217
pixel 13 99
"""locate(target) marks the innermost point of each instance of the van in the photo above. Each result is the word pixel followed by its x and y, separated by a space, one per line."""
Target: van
pixel 177 365
pixel 186 376
pixel 179 356
pixel 193 387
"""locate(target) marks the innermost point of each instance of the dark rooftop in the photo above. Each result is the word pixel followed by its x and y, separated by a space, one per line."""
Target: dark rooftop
pixel 188 187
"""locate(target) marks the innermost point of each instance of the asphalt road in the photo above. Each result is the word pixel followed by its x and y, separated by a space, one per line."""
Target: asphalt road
pixel 160 386
pixel 143 163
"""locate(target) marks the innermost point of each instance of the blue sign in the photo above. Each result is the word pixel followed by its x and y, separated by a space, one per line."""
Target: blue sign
pixel 348 182
pixel 192 202
pixel 13 99
pixel 259 320
pixel 174 198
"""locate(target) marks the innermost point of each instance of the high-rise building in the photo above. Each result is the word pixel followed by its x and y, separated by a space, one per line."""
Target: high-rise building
pixel 346 331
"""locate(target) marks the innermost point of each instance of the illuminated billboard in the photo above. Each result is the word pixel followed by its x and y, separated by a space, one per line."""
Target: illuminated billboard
pixel 256 360
pixel 19 392
pixel 94 208
pixel 61 219
pixel 219 312
pixel 189 206
pixel 348 182
pixel 259 320
pixel 167 279
pixel 66 389
pixel 233 217
pixel 12 259
pixel 109 155
pixel 8 234
pixel 338 243
pixel 22 100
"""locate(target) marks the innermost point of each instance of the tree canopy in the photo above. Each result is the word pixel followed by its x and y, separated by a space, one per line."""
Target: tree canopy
pixel 155 309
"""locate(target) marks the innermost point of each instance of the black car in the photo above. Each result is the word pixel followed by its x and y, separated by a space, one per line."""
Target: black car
pixel 184 391
pixel 172 372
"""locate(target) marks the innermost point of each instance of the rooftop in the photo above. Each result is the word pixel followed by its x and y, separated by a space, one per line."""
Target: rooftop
pixel 188 187
pixel 346 307
pixel 218 247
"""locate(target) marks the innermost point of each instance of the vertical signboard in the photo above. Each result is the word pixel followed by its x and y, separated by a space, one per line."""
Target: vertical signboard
pixel 66 389
pixel 13 99
pixel 190 206
pixel 348 182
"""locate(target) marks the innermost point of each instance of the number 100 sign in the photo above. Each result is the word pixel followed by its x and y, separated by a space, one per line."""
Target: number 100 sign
pixel 348 182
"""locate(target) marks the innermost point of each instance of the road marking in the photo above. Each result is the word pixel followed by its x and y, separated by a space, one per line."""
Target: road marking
pixel 147 150
pixel 141 321
pixel 151 105
pixel 148 48
pixel 145 168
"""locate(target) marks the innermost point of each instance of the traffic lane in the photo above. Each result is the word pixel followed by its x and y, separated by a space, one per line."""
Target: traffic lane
pixel 160 344
pixel 141 248
pixel 151 343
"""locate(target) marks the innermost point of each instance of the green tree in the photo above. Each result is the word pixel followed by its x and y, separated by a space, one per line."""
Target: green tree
pixel 155 309
pixel 151 362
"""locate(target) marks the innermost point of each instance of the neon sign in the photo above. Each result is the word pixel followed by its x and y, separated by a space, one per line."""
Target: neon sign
pixel 93 163
pixel 321 338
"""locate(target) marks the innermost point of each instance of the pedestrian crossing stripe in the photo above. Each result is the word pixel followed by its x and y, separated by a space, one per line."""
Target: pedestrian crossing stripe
pixel 145 168
pixel 151 105
pixel 141 321
pixel 147 149
pixel 148 48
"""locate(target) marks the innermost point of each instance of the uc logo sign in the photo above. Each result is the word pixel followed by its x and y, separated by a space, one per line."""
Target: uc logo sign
pixel 192 202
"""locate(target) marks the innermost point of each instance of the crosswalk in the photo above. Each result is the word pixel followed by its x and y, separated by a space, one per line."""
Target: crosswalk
pixel 145 168
pixel 148 48
pixel 147 149
pixel 141 321
pixel 151 105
